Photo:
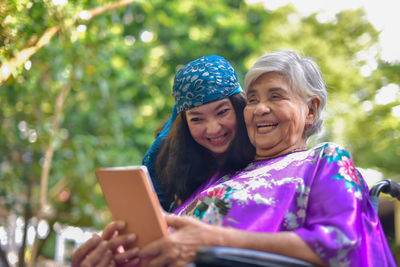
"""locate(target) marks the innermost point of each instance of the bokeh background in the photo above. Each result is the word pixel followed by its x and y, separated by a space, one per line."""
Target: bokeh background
pixel 85 83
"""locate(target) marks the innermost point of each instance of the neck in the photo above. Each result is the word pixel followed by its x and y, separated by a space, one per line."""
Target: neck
pixel 217 157
pixel 285 152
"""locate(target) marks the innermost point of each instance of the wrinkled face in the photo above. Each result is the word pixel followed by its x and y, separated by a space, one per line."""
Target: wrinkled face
pixel 275 116
pixel 213 125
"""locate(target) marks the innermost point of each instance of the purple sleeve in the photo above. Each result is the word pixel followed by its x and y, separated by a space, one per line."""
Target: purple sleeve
pixel 342 226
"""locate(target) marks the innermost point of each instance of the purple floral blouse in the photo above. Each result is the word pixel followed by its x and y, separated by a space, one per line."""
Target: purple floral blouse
pixel 317 193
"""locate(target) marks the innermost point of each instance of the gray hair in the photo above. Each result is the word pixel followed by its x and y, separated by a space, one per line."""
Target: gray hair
pixel 304 77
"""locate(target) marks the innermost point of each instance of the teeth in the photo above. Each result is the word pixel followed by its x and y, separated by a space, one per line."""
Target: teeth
pixel 264 128
pixel 216 139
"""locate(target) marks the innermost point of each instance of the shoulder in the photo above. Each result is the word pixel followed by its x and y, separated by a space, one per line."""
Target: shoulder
pixel 331 151
pixel 327 146
pixel 338 167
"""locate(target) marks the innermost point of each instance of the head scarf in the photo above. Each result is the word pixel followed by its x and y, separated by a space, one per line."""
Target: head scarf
pixel 204 80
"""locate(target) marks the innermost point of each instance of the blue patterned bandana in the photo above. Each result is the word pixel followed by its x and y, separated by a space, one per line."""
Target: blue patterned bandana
pixel 204 80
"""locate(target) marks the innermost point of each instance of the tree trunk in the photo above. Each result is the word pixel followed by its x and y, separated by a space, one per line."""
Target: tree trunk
pixel 27 216
pixel 3 258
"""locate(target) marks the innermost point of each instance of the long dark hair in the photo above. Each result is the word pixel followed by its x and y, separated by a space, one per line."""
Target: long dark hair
pixel 183 165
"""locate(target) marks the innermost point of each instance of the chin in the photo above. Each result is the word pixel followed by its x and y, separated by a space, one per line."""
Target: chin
pixel 218 151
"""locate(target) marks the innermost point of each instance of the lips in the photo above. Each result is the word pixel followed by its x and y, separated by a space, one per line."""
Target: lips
pixel 219 140
pixel 265 127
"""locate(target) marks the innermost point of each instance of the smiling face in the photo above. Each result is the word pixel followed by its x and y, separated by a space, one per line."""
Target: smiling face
pixel 275 116
pixel 213 125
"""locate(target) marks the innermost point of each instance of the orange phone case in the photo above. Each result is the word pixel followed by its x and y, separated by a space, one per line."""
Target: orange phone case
pixel 130 196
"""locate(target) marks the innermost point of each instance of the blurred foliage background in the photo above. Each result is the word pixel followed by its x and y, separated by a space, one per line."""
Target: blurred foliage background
pixel 85 83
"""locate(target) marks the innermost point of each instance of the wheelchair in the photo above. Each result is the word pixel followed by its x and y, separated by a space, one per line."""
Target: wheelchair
pixel 237 257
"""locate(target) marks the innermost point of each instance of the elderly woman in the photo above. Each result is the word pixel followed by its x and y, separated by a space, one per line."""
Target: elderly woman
pixel 310 204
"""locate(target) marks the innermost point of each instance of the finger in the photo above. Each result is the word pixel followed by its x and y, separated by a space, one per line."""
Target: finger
pixel 84 250
pixel 129 255
pixel 96 255
pixel 111 228
pixel 178 264
pixel 106 260
pixel 127 241
pixel 177 221
pixel 162 260
pixel 163 212
pixel 152 249
pixel 133 263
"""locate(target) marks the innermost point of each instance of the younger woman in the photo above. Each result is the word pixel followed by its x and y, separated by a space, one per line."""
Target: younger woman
pixel 205 134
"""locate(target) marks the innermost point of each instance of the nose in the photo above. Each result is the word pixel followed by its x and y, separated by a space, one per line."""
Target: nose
pixel 213 127
pixel 262 109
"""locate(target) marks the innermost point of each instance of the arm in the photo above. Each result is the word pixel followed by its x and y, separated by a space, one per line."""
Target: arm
pixel 283 243
pixel 104 250
pixel 180 247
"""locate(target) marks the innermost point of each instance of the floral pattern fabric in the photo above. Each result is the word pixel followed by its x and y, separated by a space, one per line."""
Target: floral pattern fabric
pixel 318 194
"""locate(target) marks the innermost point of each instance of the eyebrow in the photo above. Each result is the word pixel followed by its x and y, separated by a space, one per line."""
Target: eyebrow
pixel 220 105
pixel 272 89
pixel 276 89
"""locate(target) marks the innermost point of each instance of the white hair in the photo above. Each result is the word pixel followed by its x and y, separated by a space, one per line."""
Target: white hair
pixel 303 74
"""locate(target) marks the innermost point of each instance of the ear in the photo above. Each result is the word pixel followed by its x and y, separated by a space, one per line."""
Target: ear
pixel 313 106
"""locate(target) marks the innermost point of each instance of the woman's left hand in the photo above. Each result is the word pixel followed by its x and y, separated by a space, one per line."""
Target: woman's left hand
pixel 181 245
pixel 101 251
